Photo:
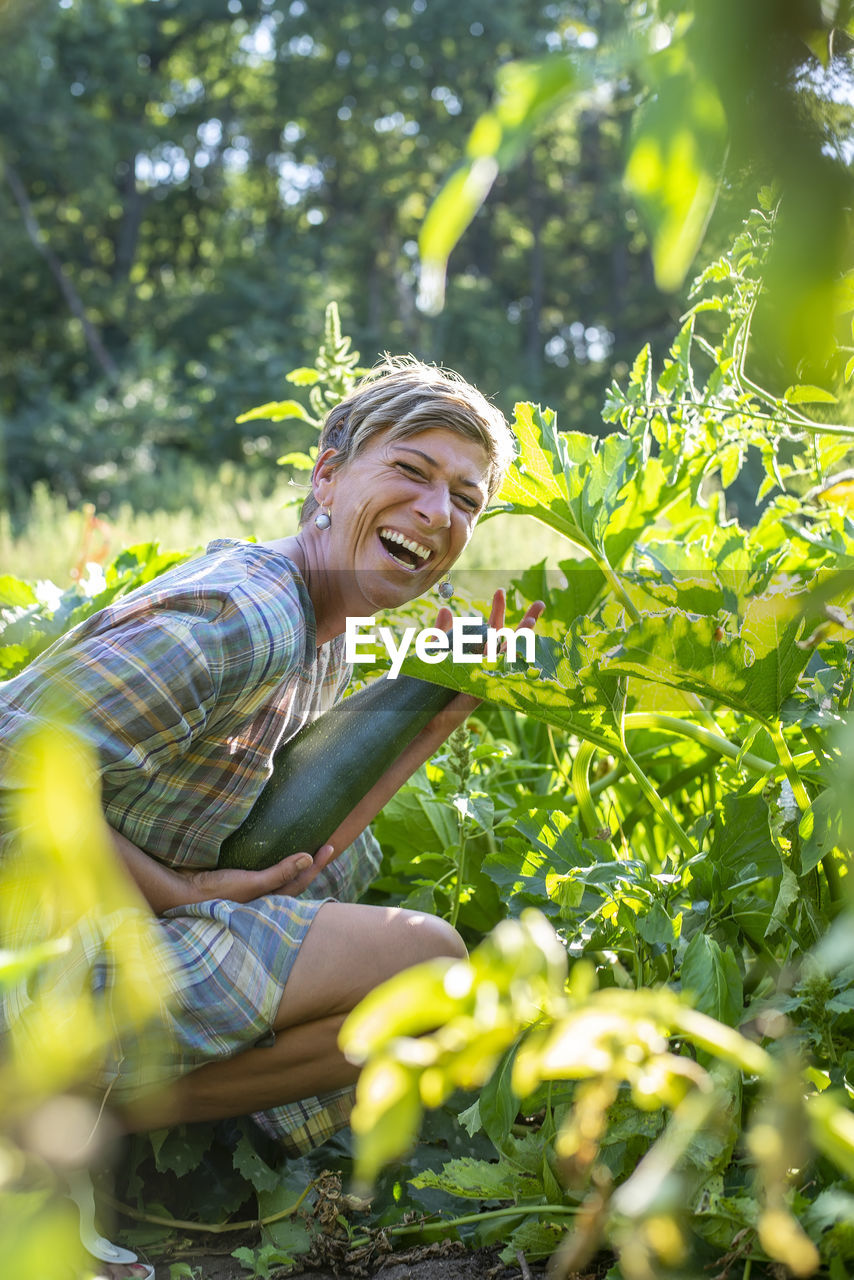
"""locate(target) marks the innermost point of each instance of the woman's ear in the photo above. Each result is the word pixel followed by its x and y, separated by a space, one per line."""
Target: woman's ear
pixel 323 478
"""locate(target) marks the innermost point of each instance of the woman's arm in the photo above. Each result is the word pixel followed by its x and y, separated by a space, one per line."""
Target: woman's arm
pixel 164 887
pixel 411 758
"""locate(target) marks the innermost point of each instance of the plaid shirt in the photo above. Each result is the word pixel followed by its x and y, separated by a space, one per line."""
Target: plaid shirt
pixel 185 688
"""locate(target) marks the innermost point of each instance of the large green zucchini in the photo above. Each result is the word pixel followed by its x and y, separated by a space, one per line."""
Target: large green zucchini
pixel 325 769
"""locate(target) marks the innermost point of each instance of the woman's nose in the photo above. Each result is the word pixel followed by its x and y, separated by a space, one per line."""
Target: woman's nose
pixel 434 507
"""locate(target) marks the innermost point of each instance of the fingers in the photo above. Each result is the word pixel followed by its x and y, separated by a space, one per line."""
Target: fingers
pixel 289 869
pixel 498 611
pixel 297 872
pixel 533 613
pixel 497 614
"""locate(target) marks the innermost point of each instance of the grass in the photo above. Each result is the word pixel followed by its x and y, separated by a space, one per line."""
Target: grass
pixel 55 541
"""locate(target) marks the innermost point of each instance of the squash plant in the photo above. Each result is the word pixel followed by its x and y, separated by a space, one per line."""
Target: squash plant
pixel 650 865
pixel 687 1096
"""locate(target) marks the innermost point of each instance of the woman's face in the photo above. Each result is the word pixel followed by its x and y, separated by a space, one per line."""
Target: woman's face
pixel 402 511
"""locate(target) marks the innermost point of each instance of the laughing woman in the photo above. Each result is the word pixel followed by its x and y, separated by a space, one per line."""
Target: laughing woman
pixel 186 688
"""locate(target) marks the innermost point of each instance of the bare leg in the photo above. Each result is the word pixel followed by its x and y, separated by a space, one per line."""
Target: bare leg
pixel 349 950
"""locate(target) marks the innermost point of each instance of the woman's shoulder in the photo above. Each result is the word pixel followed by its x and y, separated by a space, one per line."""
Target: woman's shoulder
pixel 229 575
pixel 236 601
pixel 252 568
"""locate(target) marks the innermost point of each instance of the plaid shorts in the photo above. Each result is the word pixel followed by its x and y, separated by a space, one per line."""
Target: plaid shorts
pixel 220 969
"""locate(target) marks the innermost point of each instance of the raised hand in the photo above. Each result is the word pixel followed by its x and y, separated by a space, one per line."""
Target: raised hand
pixel 463 704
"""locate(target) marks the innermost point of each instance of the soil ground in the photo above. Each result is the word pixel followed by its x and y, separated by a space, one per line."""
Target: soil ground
pixel 447 1260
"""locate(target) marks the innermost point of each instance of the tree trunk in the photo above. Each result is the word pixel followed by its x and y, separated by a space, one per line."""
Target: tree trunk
pixel 40 243
pixel 534 345
pixel 128 231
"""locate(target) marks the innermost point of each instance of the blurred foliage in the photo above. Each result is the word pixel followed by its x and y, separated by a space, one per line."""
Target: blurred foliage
pixel 183 187
pixel 724 91
pixel 62 890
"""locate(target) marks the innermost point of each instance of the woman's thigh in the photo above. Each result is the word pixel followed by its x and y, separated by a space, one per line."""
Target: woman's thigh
pixel 350 949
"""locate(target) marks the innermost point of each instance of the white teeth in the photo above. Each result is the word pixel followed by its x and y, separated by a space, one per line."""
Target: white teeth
pixel 404 563
pixel 391 535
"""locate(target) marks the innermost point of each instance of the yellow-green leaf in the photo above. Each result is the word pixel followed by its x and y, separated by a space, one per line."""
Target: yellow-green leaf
pixel 805 394
pixel 674 165
pixel 276 411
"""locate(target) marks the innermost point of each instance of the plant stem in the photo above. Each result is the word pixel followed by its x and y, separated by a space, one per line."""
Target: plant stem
pixel 795 781
pixel 828 866
pixel 581 786
pixel 575 536
pixel 819 750
pixel 703 712
pixel 462 840
pixel 212 1228
pixel 678 782
pixel 615 584
pixel 661 811
pixel 512 1211
pixel 714 741
pixel 219 1228
pixel 795 420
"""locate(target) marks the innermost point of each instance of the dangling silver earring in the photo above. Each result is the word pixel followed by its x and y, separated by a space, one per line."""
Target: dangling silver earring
pixel 323 519
pixel 446 588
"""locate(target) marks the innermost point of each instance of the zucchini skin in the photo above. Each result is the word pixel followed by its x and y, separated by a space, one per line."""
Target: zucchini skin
pixel 323 771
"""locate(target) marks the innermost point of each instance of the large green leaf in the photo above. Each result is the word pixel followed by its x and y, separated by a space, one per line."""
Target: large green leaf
pixel 602 493
pixel 583 583
pixel 253 1167
pixel 533 1239
pixel 742 852
pixel 568 688
pixel 527 864
pixel 289 1234
pixel 753 671
pixel 499 1105
pixel 713 978
pixel 480 1180
pixel 572 481
pixel 181 1149
pixel 717 573
pixel 651 490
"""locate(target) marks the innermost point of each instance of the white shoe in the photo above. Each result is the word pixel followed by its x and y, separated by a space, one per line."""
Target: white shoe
pixel 80 1191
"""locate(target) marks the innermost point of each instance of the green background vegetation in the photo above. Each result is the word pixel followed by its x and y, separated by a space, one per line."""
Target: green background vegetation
pixel 659 807
pixel 201 179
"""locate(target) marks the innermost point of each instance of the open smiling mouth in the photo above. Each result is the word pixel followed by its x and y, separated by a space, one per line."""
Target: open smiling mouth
pixel 406 552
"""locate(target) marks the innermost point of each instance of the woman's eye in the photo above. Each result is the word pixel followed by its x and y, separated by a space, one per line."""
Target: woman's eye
pixel 466 501
pixel 407 467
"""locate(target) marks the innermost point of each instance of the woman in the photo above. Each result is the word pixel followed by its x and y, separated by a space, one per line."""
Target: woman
pixel 187 686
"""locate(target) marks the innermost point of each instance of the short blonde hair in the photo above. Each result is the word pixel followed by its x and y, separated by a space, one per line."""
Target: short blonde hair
pixel 401 396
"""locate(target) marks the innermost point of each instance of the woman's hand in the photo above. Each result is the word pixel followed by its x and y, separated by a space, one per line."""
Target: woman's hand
pixel 290 876
pixel 164 887
pixel 460 707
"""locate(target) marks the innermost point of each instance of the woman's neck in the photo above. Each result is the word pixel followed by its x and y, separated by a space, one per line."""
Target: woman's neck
pixel 306 551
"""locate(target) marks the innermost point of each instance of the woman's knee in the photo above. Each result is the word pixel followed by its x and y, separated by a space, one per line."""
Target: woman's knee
pixel 425 937
pixel 350 949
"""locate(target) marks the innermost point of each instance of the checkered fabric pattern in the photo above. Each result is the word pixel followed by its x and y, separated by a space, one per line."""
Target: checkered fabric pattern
pixel 185 688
